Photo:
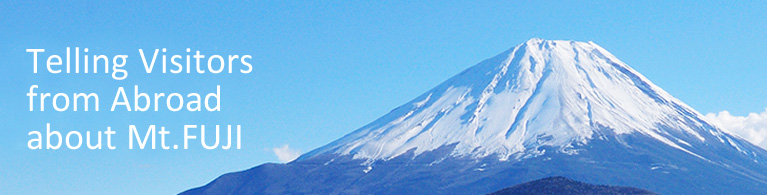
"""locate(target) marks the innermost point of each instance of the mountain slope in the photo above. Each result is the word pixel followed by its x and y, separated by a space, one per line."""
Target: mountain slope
pixel 563 186
pixel 539 109
pixel 540 93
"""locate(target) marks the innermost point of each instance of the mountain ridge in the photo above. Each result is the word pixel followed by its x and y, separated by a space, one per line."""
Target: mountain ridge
pixel 562 185
pixel 539 109
pixel 541 68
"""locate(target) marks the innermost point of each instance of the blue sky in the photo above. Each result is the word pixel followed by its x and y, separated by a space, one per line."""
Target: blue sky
pixel 323 69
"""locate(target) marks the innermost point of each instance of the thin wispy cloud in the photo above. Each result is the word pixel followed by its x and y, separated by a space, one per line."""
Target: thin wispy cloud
pixel 286 154
pixel 752 127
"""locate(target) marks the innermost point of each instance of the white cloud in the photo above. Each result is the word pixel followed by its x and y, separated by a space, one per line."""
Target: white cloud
pixel 752 127
pixel 286 154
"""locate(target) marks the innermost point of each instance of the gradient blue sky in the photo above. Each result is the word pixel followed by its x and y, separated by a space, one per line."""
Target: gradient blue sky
pixel 323 69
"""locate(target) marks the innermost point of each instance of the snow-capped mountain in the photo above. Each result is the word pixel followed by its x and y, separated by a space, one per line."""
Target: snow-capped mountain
pixel 541 93
pixel 542 108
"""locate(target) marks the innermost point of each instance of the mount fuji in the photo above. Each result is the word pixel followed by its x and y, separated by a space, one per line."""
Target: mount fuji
pixel 543 108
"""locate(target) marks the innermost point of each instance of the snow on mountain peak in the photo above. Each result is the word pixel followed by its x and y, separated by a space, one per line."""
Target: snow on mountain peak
pixel 550 93
pixel 539 109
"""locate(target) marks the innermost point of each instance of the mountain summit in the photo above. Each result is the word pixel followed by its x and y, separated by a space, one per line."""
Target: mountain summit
pixel 539 109
pixel 541 93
